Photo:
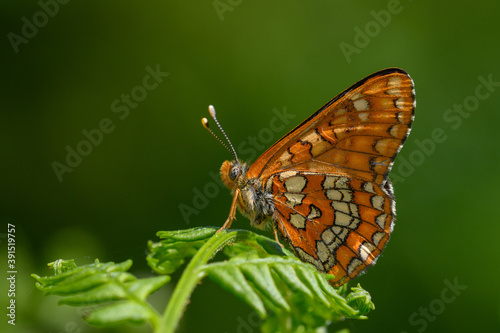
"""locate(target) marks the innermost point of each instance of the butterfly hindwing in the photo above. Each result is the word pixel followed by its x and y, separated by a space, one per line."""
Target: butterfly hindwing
pixel 338 224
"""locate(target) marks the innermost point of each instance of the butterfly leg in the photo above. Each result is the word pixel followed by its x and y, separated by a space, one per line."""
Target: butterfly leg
pixel 232 212
pixel 276 235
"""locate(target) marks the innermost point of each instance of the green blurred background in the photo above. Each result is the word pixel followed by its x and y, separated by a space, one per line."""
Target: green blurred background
pixel 247 58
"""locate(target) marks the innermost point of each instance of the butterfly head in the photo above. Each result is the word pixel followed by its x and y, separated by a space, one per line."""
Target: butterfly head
pixel 233 173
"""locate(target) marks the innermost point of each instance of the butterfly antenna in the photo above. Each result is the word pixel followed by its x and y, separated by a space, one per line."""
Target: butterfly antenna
pixel 204 122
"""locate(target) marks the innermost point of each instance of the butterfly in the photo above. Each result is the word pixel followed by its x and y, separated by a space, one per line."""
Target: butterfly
pixel 324 185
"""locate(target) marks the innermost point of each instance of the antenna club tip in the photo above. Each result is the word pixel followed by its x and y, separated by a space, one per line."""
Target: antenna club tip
pixel 211 109
pixel 204 122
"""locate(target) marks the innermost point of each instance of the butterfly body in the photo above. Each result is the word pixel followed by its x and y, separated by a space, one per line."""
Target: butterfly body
pixel 325 184
pixel 252 199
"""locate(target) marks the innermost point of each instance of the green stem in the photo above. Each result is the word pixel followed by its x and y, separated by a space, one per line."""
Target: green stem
pixel 190 278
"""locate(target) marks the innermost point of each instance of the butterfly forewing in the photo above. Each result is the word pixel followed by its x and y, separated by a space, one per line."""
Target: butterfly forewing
pixel 359 132
pixel 328 176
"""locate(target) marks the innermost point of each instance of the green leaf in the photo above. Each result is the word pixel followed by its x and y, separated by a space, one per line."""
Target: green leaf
pixel 122 295
pixel 100 294
pixel 361 300
pixel 288 294
pixel 188 235
pixel 261 273
pixel 119 314
pixel 142 288
pixel 233 280
pixel 80 278
pixel 108 292
pixel 166 256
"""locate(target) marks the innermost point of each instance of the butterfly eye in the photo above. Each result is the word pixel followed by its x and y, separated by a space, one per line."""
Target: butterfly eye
pixel 235 171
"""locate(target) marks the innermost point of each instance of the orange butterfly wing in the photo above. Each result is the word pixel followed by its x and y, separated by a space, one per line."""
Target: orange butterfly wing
pixel 329 175
pixel 359 132
pixel 338 224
